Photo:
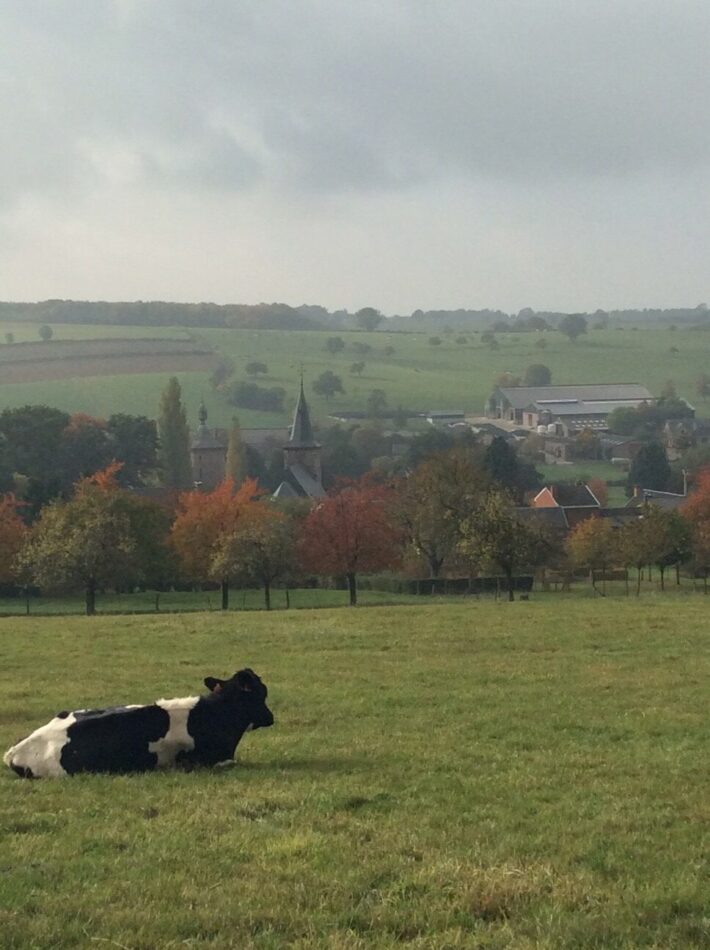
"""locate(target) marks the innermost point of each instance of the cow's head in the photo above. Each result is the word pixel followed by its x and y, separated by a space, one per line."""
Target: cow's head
pixel 247 693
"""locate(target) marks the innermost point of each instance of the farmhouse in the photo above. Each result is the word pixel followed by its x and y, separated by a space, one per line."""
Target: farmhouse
pixel 564 410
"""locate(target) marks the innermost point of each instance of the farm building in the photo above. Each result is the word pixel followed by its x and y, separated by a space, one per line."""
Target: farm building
pixel 564 410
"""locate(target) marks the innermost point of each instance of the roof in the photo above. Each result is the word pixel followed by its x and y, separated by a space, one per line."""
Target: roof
pixel 299 483
pixel 521 397
pixel 573 496
pixel 301 429
pixel 542 517
pixel 663 499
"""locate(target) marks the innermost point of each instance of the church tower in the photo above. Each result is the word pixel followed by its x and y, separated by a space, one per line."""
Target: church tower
pixel 303 475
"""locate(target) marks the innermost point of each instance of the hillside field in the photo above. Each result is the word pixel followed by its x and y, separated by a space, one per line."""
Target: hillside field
pixel 528 775
pixel 416 375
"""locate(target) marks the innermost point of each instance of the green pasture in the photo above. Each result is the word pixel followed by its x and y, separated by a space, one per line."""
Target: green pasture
pixel 417 375
pixel 482 775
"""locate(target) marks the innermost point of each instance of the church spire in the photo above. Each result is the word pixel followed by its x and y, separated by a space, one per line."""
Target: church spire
pixel 302 430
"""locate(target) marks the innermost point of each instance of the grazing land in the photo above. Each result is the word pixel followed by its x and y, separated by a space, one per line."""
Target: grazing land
pixel 528 775
pixel 415 374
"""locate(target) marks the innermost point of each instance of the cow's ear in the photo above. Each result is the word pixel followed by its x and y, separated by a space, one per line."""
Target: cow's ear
pixel 213 684
pixel 245 680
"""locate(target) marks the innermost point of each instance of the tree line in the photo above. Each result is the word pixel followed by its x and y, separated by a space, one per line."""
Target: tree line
pixel 452 515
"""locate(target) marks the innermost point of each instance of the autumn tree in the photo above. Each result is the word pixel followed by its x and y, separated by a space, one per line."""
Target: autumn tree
pixel 13 532
pixel 696 512
pixel 260 548
pixel 87 542
pixel 495 535
pixel 202 521
pixel 657 537
pixel 433 502
pixel 351 531
pixel 593 544
pixel 174 438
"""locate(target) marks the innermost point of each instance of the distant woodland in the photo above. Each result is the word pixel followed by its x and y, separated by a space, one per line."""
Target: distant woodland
pixel 280 316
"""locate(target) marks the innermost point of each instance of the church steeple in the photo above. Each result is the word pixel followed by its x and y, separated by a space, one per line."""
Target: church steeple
pixel 301 429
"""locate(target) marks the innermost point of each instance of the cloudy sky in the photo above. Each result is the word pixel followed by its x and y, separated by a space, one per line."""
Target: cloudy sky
pixel 397 154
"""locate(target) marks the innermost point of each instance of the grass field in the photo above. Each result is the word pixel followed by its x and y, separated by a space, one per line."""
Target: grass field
pixel 417 375
pixel 478 775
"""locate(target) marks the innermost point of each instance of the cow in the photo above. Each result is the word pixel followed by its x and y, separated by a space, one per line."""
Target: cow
pixel 189 732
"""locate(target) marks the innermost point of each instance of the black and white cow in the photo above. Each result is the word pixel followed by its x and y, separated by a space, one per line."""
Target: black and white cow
pixel 197 730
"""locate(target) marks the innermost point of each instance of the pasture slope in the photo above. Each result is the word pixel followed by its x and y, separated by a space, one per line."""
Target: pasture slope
pixel 490 776
pixel 415 375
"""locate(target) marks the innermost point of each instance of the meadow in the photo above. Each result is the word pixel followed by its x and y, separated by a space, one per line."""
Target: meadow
pixel 528 775
pixel 415 375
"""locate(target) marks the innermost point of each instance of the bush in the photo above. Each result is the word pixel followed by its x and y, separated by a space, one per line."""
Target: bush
pixel 251 396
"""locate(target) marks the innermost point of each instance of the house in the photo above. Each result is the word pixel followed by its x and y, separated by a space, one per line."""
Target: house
pixel 668 500
pixel 682 434
pixel 565 495
pixel 564 410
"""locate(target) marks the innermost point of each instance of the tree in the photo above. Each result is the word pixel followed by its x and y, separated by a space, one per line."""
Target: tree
pixel 254 368
pixel 86 542
pixel 32 446
pixel 13 532
pixel 86 447
pixel 507 470
pixel 696 512
pixel 261 548
pixel 376 403
pixel 334 344
pixel 174 450
pixel 587 444
pixel 592 544
pixel 658 537
pixel 236 462
pixel 541 344
pixel 135 443
pixel 368 318
pixel 328 384
pixel 507 380
pixel 400 418
pixel 45 333
pixel 251 396
pixel 494 535
pixel 435 500
pixel 702 386
pixel 362 349
pixel 434 341
pixel 650 468
pixel 202 521
pixel 9 337
pixel 357 369
pixel 350 532
pixel 537 374
pixel 573 325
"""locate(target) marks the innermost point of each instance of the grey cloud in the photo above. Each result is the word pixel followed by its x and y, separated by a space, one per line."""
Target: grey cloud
pixel 339 96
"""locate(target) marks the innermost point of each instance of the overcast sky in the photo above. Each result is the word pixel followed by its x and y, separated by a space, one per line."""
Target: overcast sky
pixel 421 153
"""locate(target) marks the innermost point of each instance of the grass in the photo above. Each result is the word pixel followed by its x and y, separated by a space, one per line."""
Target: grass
pixel 478 775
pixel 417 375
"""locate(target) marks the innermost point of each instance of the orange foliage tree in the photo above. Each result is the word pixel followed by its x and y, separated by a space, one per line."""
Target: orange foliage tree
pixel 202 521
pixel 352 531
pixel 696 512
pixel 12 536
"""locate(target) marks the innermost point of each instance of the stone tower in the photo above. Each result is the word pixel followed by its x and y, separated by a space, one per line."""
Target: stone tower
pixel 208 452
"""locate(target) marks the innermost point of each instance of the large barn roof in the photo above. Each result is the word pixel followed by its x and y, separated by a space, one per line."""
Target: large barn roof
pixel 573 398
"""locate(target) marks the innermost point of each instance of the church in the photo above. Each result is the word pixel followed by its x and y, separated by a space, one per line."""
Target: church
pixel 302 475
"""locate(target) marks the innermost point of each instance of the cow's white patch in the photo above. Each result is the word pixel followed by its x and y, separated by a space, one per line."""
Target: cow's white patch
pixel 177 738
pixel 41 751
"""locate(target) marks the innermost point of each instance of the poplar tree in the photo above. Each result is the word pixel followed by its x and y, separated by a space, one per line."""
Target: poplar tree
pixel 235 466
pixel 174 436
